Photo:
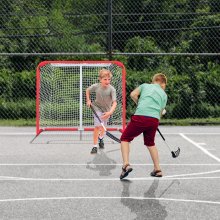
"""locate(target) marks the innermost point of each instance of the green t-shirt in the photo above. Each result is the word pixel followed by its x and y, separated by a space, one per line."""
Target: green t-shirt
pixel 152 100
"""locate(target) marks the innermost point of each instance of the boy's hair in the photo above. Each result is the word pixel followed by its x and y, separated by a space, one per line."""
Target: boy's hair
pixel 105 73
pixel 160 78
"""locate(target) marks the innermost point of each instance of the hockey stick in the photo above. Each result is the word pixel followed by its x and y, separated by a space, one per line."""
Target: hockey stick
pixel 174 153
pixel 107 133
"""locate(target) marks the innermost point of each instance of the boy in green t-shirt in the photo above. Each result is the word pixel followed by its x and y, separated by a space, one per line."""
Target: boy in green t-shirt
pixel 151 100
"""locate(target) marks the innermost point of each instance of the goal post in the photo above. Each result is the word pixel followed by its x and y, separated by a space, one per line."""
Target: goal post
pixel 61 98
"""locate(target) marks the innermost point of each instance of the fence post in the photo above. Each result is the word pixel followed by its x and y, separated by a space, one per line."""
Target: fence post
pixel 109 40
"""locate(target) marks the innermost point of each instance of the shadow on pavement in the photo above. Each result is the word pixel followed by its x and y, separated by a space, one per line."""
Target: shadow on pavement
pixel 144 209
pixel 98 164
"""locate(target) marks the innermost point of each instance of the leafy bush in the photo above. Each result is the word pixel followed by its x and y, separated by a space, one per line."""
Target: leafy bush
pixel 24 108
pixel 142 45
pixel 17 85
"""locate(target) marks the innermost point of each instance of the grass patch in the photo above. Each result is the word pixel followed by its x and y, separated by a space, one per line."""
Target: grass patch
pixel 18 122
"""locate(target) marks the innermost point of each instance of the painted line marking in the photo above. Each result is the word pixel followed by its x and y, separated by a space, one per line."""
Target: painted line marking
pixel 103 164
pixel 135 198
pixel 201 148
pixel 204 144
pixel 106 179
pixel 201 133
pixel 19 134
pixel 193 174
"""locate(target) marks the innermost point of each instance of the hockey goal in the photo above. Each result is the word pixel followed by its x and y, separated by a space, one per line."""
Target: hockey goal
pixel 61 99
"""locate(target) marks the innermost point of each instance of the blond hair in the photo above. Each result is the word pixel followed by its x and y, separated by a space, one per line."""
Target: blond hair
pixel 105 73
pixel 159 78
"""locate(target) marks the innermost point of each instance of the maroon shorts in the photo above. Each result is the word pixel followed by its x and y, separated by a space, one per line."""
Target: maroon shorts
pixel 141 124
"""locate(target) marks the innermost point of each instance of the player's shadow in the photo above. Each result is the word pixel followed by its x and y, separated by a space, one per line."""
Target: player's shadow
pixel 145 209
pixel 102 164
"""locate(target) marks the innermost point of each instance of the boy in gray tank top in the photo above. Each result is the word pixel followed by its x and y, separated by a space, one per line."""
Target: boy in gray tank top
pixel 105 104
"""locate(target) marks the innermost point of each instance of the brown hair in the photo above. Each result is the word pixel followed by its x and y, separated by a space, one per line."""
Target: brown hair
pixel 105 73
pixel 160 78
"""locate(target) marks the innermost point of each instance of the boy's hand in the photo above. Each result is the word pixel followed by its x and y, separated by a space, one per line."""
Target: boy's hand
pixel 88 103
pixel 164 112
pixel 105 115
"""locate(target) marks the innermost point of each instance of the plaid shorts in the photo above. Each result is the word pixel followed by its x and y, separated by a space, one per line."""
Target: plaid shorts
pixel 96 121
pixel 141 124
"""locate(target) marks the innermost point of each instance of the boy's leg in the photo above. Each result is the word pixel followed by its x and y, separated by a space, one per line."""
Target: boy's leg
pixel 149 141
pixel 95 140
pixel 95 135
pixel 125 150
pixel 102 132
pixel 101 136
pixel 132 130
pixel 155 157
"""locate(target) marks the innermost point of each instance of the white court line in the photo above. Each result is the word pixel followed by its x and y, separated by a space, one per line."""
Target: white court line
pixel 201 133
pixel 18 134
pixel 103 164
pixel 11 177
pixel 96 197
pixel 193 174
pixel 201 148
pixel 106 179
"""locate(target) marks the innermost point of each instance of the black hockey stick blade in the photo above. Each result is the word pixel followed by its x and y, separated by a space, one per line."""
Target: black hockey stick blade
pixel 113 137
pixel 175 153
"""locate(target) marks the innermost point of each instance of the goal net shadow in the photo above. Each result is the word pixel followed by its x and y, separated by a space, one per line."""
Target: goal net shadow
pixel 76 137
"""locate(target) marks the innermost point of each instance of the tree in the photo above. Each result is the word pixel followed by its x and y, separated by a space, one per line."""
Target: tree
pixel 142 45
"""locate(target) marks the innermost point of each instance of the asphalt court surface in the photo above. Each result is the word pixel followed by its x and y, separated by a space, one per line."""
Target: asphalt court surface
pixel 56 177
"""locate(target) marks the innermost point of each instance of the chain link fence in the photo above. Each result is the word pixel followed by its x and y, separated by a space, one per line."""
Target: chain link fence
pixel 179 38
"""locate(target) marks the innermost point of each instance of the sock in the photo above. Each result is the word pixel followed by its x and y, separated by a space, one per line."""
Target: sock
pixel 94 145
pixel 101 137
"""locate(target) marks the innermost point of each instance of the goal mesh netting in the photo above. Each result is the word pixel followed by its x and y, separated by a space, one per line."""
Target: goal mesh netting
pixel 61 98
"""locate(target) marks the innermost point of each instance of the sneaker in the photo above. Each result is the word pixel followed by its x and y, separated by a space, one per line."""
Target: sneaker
pixel 94 150
pixel 101 143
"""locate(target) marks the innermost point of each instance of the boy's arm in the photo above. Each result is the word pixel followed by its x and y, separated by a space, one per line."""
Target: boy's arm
pixel 163 111
pixel 114 104
pixel 111 111
pixel 135 94
pixel 88 100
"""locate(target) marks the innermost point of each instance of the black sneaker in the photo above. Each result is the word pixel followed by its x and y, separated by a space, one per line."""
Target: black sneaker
pixel 101 143
pixel 94 150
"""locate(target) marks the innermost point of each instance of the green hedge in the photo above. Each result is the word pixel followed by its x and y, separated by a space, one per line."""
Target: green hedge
pixel 191 94
pixel 24 108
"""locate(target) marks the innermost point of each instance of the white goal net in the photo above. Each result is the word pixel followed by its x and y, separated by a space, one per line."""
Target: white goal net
pixel 61 98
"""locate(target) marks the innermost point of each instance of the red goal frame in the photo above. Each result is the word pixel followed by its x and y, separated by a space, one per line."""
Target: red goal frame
pixel 39 129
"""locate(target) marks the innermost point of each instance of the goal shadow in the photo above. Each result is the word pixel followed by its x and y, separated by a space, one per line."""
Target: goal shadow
pixel 70 138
